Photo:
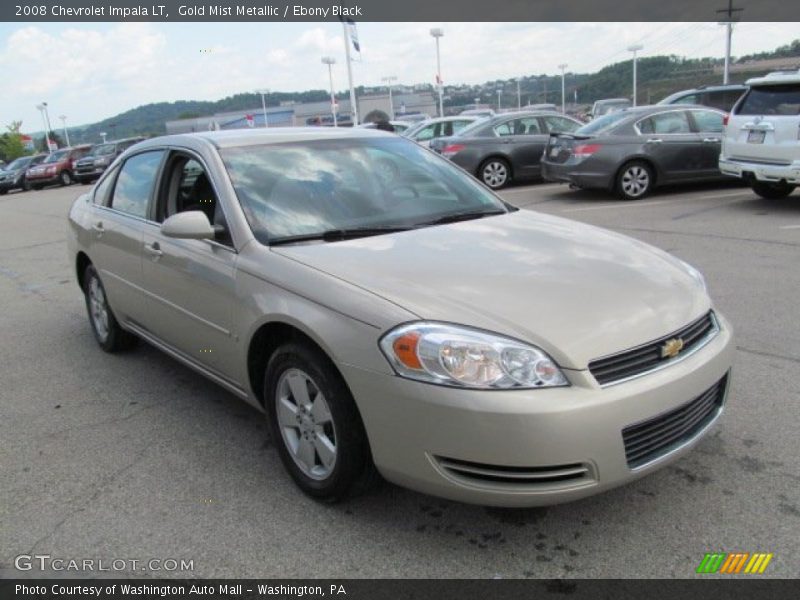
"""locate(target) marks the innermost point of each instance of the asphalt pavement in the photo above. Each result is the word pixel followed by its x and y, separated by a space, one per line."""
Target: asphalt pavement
pixel 134 457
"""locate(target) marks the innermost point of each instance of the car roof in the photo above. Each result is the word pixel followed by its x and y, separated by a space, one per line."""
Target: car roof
pixel 776 78
pixel 251 137
pixel 649 109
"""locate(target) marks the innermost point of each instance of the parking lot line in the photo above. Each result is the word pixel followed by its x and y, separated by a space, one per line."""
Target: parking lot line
pixel 675 198
pixel 789 227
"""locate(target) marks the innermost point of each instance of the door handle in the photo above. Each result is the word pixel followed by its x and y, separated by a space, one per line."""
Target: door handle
pixel 154 250
pixel 711 140
pixel 98 227
pixel 655 141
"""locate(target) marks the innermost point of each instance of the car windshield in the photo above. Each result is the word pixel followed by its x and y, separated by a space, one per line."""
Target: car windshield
pixel 56 156
pixel 602 124
pixel 103 150
pixel 772 100
pixel 20 163
pixel 310 188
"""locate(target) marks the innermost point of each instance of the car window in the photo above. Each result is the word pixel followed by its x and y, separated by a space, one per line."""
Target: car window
pixel 669 122
pixel 135 183
pixel 426 133
pixel 602 124
pixel 772 100
pixel 708 121
pixel 103 188
pixel 560 124
pixel 306 188
pixel 688 99
pixel 522 126
pixel 459 125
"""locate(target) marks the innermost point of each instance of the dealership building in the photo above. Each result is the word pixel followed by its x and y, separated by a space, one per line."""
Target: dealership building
pixel 290 114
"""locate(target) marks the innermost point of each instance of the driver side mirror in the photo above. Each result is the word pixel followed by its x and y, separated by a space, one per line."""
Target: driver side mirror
pixel 189 225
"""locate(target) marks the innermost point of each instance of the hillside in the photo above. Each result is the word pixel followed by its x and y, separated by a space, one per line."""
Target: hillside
pixel 658 77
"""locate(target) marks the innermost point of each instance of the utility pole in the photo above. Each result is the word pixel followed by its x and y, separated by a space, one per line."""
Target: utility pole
pixel 729 12
pixel 519 96
pixel 563 88
pixel 437 32
pixel 635 48
pixel 389 79
pixel 330 61
pixel 263 93
pixel 353 105
pixel 499 93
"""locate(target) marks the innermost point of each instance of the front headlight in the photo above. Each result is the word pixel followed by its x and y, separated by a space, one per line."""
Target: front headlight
pixel 459 356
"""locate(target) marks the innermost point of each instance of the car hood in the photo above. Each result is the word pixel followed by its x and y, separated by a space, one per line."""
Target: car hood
pixel 577 291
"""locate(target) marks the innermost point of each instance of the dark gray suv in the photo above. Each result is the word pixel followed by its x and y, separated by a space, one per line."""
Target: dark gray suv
pixel 722 97
pixel 93 164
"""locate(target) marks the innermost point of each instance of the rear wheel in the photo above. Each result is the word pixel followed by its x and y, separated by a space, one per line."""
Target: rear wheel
pixel 772 191
pixel 495 172
pixel 634 180
pixel 315 424
pixel 107 331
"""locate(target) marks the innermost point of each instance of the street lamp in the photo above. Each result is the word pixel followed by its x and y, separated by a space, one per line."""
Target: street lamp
pixel 42 108
pixel 264 92
pixel 64 126
pixel 499 93
pixel 519 96
pixel 635 48
pixel 437 32
pixel 389 79
pixel 330 61
pixel 563 87
pixel 103 135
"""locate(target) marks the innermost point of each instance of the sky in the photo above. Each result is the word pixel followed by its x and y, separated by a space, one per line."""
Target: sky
pixel 93 71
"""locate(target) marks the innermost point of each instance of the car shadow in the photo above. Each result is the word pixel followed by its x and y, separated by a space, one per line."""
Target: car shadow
pixel 594 195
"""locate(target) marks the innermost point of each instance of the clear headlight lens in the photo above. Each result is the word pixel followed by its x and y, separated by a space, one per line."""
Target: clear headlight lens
pixel 460 356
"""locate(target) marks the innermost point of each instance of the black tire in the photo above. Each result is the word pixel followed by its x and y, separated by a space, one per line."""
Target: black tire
pixel 65 178
pixel 115 338
pixel 495 173
pixel 353 471
pixel 26 187
pixel 3 192
pixel 36 187
pixel 772 191
pixel 634 181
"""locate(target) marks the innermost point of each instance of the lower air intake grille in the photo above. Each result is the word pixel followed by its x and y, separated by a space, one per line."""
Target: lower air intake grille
pixel 648 440
pixel 522 476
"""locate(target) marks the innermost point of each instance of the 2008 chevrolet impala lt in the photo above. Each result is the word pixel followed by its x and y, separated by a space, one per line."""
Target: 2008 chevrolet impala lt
pixel 391 315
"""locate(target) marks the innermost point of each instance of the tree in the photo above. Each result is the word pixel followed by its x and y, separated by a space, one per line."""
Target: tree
pixel 11 145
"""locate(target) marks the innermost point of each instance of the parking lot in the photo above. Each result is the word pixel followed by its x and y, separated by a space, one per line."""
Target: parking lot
pixel 133 456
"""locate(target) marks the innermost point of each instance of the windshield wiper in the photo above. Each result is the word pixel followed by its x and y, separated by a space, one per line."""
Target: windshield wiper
pixel 336 235
pixel 464 216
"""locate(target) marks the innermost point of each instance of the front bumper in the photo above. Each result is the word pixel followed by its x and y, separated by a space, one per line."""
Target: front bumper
pixel 418 431
pixel 10 184
pixel 576 174
pixel 91 172
pixel 760 171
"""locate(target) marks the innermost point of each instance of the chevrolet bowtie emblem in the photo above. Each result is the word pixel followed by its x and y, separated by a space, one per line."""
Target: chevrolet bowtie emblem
pixel 671 348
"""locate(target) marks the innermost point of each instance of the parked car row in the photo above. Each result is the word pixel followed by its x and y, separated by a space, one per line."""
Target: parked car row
pixel 83 163
pixel 631 150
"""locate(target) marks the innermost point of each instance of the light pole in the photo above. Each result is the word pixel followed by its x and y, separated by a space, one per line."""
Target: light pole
pixel 264 92
pixel 64 126
pixel 330 61
pixel 563 66
pixel 437 32
pixel 499 94
pixel 519 96
pixel 389 79
pixel 42 108
pixel 635 48
pixel 103 134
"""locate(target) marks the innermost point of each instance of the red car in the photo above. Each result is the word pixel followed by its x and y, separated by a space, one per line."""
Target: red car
pixel 56 168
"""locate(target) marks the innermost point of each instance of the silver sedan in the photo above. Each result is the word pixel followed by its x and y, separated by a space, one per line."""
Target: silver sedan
pixel 392 316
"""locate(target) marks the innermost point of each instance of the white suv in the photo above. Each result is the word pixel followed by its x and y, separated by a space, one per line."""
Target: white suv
pixel 762 136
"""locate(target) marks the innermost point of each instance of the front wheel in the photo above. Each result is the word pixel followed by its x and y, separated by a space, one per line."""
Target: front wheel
pixel 315 424
pixel 107 331
pixel 495 172
pixel 26 187
pixel 65 178
pixel 772 191
pixel 634 181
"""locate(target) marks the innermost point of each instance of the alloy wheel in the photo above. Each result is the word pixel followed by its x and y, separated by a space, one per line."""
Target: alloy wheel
pixel 495 174
pixel 306 424
pixel 98 308
pixel 635 181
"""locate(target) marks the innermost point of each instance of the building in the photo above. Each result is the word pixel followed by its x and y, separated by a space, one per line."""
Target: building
pixel 308 113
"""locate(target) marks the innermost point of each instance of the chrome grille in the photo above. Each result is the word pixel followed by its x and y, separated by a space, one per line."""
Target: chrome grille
pixel 651 439
pixel 648 357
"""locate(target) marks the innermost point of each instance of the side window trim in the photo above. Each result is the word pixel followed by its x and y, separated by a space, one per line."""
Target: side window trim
pixel 159 172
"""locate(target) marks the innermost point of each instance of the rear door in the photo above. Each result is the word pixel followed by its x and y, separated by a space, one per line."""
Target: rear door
pixel 527 140
pixel 667 138
pixel 120 211
pixel 709 125
pixel 765 125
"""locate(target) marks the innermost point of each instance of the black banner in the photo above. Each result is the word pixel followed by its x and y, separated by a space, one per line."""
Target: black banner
pixel 400 10
pixel 744 588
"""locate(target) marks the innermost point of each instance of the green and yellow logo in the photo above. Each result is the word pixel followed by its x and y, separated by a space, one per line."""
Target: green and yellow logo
pixel 734 563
